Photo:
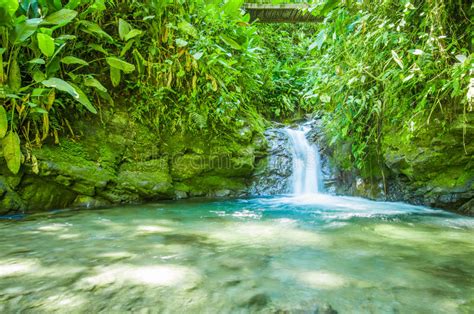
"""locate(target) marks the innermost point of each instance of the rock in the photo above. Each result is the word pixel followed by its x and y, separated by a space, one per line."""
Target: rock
pixel 433 167
pixel 115 160
pixel 180 194
pixel 3 187
pixel 188 166
pixel 258 301
pixel 89 202
pixel 37 193
pixel 222 193
pixel 84 188
pixel 467 208
pixel 325 309
pixel 275 168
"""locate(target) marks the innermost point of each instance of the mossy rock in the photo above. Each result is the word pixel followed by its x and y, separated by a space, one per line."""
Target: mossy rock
pixel 150 179
pixel 189 165
pixel 38 194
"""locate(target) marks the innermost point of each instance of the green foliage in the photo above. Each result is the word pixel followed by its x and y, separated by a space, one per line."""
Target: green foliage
pixel 11 151
pixel 199 66
pixel 398 64
pixel 286 69
pixel 3 122
pixel 45 44
pixel 197 69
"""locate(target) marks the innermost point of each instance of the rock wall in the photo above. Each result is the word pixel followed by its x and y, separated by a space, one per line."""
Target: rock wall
pixel 433 166
pixel 274 165
pixel 113 160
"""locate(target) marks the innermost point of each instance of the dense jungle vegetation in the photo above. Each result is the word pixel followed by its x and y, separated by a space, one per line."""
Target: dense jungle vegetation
pixel 200 66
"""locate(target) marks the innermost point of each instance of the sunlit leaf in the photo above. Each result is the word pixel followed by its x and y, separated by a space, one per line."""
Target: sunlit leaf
pixel 37 61
pixel 60 17
pixel 12 152
pixel 132 34
pixel 25 29
pixel 229 41
pixel 124 28
pixel 461 58
pixel 397 59
pixel 119 64
pixel 187 28
pixel 94 28
pixel 14 76
pixel 10 6
pixel 92 82
pixel 83 99
pixel 198 55
pixel 320 39
pixel 45 44
pixel 417 52
pixel 181 42
pixel 3 122
pixel 409 77
pixel 115 76
pixel 61 85
pixel 73 60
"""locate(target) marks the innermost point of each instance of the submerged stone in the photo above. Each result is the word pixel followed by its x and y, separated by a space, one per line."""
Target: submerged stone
pixel 258 301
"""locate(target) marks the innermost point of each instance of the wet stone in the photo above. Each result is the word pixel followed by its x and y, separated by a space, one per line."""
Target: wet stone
pixel 258 301
pixel 325 309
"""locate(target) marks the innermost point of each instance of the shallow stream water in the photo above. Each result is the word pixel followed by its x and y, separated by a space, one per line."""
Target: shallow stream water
pixel 312 254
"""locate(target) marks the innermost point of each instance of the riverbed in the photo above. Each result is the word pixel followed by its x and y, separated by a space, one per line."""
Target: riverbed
pixel 307 254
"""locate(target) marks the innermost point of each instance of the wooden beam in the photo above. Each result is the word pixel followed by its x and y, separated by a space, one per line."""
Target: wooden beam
pixel 280 13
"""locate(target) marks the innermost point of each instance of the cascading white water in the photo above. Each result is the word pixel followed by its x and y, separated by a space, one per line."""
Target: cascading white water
pixel 306 178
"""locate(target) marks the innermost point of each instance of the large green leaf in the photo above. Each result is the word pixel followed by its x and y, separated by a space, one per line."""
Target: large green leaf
pixel 73 60
pixel 7 11
pixel 12 152
pixel 124 28
pixel 98 48
pixel 320 39
pixel 25 29
pixel 61 85
pixel 187 28
pixel 60 17
pixel 45 44
pixel 72 90
pixel 94 28
pixel 83 99
pixel 92 82
pixel 37 61
pixel 132 34
pixel 2 50
pixel 14 76
pixel 328 7
pixel 115 76
pixel 229 41
pixel 3 122
pixel 10 6
pixel 119 64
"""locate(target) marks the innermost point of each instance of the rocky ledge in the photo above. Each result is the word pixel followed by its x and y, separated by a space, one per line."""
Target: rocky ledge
pixel 118 161
pixel 432 167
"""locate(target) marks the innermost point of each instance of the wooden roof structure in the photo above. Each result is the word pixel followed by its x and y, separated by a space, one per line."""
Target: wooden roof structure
pixel 280 13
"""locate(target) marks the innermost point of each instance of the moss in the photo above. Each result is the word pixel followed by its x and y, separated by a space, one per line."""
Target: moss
pixel 180 186
pixel 73 149
pixel 40 194
pixel 215 183
pixel 71 167
pixel 117 160
pixel 11 201
pixel 149 179
pixel 189 165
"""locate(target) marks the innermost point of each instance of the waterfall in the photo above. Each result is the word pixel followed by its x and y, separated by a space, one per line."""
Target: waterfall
pixel 306 178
